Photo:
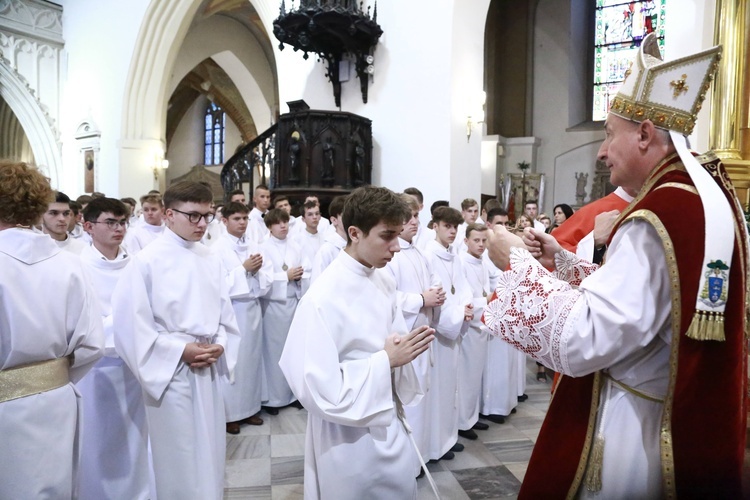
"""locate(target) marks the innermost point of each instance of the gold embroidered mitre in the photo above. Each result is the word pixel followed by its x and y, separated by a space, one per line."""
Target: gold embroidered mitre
pixel 670 94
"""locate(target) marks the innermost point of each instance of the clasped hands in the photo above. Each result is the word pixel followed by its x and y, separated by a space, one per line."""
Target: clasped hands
pixel 201 355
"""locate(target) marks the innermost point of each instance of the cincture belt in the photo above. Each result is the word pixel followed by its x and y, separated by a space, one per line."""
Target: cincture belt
pixel 634 392
pixel 33 378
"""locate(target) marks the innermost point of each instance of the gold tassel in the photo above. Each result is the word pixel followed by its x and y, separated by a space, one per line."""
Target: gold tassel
pixel 707 325
pixel 703 335
pixel 718 334
pixel 593 479
pixel 693 330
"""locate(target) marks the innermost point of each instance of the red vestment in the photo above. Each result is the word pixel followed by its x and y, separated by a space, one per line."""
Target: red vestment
pixel 581 223
pixel 703 422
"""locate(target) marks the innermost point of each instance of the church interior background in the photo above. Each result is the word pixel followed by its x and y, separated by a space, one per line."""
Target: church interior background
pixel 125 97
pixel 104 95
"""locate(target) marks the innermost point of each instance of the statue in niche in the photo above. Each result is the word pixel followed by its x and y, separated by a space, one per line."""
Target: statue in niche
pixel 581 180
pixel 359 163
pixel 294 151
pixel 328 159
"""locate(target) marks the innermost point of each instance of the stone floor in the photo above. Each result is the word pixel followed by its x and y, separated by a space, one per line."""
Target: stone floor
pixel 266 462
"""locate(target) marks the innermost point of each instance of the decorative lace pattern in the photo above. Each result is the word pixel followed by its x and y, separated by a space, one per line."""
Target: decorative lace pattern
pixel 572 268
pixel 529 309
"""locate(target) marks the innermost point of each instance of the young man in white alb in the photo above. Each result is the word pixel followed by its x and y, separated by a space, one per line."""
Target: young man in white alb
pixel 500 383
pixel 348 361
pixel 323 226
pixel 333 241
pixel 473 352
pixel 451 323
pixel 114 455
pixel 261 202
pixel 175 328
pixel 55 223
pixel 470 214
pixel 278 305
pixel 309 238
pixel 249 276
pixel 282 202
pixel 419 292
pixel 152 226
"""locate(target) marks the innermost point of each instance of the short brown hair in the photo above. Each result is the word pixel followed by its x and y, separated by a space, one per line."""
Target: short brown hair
pixel 475 227
pixel 468 203
pixel 411 202
pixel 368 206
pixel 234 207
pixel 491 204
pixel 448 215
pixel 187 192
pixel 275 216
pixel 25 193
pixel 279 199
pixel 154 199
pixel 337 206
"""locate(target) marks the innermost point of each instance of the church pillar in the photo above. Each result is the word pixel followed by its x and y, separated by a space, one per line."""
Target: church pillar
pixel 729 134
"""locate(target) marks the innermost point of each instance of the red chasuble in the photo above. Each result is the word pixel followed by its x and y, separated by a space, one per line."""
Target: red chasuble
pixel 703 422
pixel 581 223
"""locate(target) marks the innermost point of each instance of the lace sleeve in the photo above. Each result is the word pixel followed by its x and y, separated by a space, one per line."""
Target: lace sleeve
pixel 529 308
pixel 572 268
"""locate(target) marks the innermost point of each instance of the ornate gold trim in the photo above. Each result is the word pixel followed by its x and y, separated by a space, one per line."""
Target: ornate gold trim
pixel 583 461
pixel 678 185
pixel 665 444
pixel 662 116
pixel 654 177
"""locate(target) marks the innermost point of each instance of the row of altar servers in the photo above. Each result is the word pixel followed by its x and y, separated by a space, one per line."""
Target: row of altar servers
pixel 466 371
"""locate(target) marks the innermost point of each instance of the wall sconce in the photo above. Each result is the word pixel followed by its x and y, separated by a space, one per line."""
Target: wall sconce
pixel 159 163
pixel 476 116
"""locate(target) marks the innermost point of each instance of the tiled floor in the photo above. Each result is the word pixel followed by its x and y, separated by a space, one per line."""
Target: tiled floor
pixel 266 462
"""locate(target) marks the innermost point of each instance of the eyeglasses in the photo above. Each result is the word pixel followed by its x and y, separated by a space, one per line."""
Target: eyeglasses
pixel 113 224
pixel 195 217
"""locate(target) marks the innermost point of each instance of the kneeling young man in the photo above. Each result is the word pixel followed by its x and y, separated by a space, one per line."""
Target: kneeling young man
pixel 349 362
pixel 175 328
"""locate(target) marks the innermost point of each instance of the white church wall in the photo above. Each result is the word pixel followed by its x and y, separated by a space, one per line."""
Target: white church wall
pixel 550 116
pixel 419 99
pixel 186 147
pixel 99 40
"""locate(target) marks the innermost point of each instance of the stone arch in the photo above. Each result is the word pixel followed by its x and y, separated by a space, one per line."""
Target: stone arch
pixel 36 122
pixel 163 30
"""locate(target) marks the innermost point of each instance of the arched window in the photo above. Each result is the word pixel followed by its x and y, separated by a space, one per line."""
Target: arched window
pixel 620 28
pixel 214 139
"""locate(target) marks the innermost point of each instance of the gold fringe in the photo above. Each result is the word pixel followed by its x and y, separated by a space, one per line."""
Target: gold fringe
pixel 707 325
pixel 593 479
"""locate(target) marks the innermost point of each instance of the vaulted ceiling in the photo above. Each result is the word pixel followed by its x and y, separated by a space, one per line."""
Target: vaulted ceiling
pixel 210 79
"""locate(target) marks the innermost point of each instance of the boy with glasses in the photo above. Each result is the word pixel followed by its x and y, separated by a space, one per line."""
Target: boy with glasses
pixel 175 328
pixel 114 459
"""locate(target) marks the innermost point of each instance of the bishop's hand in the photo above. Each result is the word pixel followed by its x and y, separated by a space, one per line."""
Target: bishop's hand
pixel 542 246
pixel 499 243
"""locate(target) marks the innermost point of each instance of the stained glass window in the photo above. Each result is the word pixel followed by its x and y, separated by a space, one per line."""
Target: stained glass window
pixel 213 151
pixel 620 28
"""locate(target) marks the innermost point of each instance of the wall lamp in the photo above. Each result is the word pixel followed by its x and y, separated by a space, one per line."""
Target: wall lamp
pixel 476 115
pixel 159 164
